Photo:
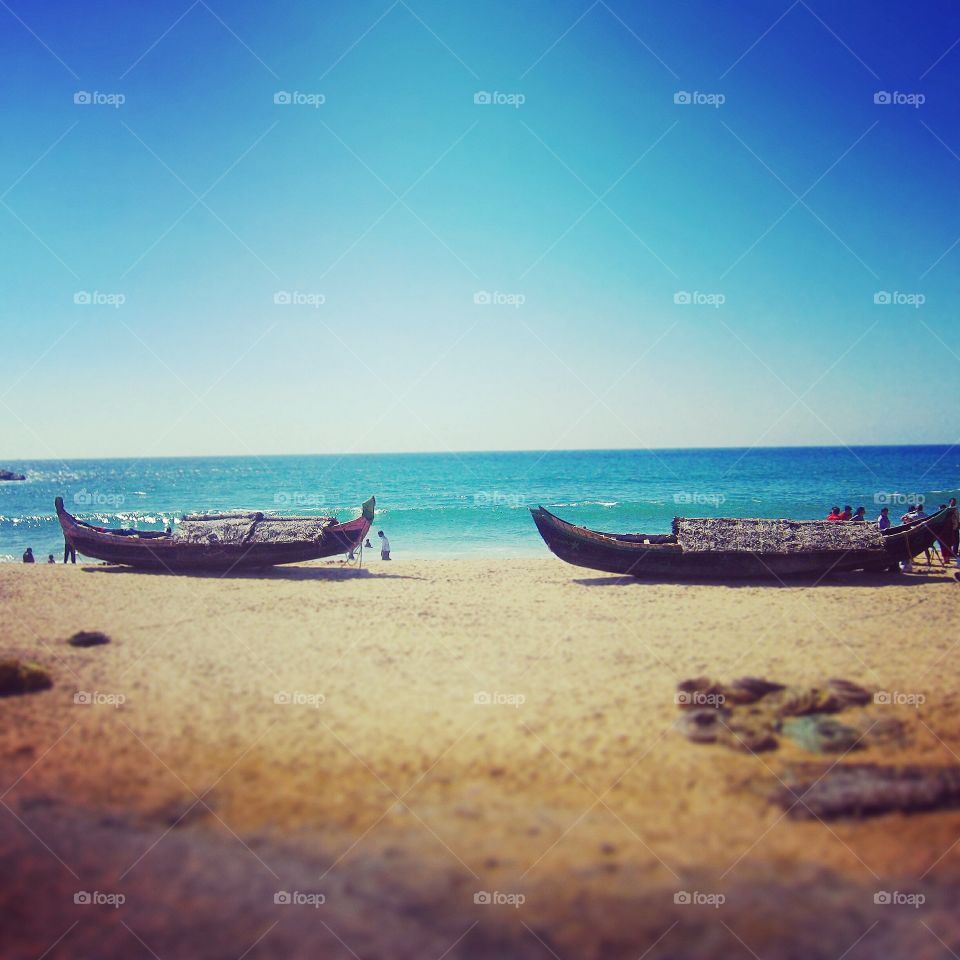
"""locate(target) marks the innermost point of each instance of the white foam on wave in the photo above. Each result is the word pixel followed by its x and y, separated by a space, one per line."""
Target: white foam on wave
pixel 596 503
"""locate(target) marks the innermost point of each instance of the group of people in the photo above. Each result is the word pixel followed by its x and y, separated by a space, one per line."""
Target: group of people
pixel 69 555
pixel 847 514
pixel 916 512
pixel 384 547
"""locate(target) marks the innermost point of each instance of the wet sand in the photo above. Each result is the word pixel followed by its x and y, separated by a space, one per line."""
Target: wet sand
pixel 405 739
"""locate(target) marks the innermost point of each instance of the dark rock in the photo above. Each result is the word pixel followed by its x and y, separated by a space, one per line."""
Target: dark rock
pixel 88 638
pixel 10 475
pixel 751 689
pixel 18 677
pixel 702 725
pixel 849 693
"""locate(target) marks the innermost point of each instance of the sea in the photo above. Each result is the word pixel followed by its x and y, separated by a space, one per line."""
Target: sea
pixel 475 504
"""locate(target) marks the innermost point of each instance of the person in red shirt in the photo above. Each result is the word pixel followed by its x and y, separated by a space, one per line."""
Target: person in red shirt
pixel 847 513
pixel 834 513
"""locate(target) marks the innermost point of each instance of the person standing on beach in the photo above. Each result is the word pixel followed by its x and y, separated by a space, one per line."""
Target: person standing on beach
pixel 955 545
pixel 69 552
pixel 384 545
pixel 946 546
pixel 28 555
pixel 883 521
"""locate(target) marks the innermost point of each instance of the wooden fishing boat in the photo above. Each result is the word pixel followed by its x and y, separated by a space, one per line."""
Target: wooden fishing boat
pixel 733 549
pixel 220 542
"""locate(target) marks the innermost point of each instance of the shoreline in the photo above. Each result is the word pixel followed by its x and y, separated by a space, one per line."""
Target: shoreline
pixel 380 769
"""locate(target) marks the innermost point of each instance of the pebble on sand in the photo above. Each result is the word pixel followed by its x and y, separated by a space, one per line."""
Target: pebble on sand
pixel 88 638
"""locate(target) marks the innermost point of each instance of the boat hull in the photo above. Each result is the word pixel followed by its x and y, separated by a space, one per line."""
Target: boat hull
pixel 625 554
pixel 160 552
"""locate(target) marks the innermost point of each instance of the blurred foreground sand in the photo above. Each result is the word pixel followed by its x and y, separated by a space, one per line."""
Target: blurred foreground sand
pixel 407 737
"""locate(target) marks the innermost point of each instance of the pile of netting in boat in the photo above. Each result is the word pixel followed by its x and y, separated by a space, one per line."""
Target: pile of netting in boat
pixel 244 528
pixel 774 536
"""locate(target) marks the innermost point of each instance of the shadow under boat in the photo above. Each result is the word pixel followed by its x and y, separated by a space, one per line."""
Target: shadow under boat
pixel 332 574
pixel 855 579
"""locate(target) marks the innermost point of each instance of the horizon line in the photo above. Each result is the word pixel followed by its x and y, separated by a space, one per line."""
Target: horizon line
pixel 421 453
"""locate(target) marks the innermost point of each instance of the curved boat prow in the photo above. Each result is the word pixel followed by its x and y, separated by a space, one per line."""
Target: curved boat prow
pixel 368 509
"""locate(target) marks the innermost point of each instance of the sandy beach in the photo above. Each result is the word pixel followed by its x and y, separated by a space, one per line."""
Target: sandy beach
pixel 407 741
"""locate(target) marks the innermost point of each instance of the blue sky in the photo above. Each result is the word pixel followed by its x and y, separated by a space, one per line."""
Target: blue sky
pixel 782 203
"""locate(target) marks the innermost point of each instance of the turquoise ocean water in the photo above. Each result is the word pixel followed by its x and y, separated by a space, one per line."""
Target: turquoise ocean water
pixel 445 504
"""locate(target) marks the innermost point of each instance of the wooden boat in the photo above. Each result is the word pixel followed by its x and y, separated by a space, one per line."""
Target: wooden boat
pixel 792 549
pixel 220 542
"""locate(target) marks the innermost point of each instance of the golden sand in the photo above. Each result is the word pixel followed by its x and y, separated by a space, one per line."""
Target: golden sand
pixel 426 731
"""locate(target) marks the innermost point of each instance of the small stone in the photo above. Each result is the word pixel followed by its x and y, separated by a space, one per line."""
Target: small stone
pixel 701 725
pixel 849 693
pixel 751 689
pixel 799 701
pixel 88 638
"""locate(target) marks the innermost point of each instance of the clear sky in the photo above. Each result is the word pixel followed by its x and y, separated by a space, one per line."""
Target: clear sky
pixel 383 202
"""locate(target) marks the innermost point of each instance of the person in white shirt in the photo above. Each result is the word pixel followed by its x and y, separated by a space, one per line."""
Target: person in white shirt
pixel 384 545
